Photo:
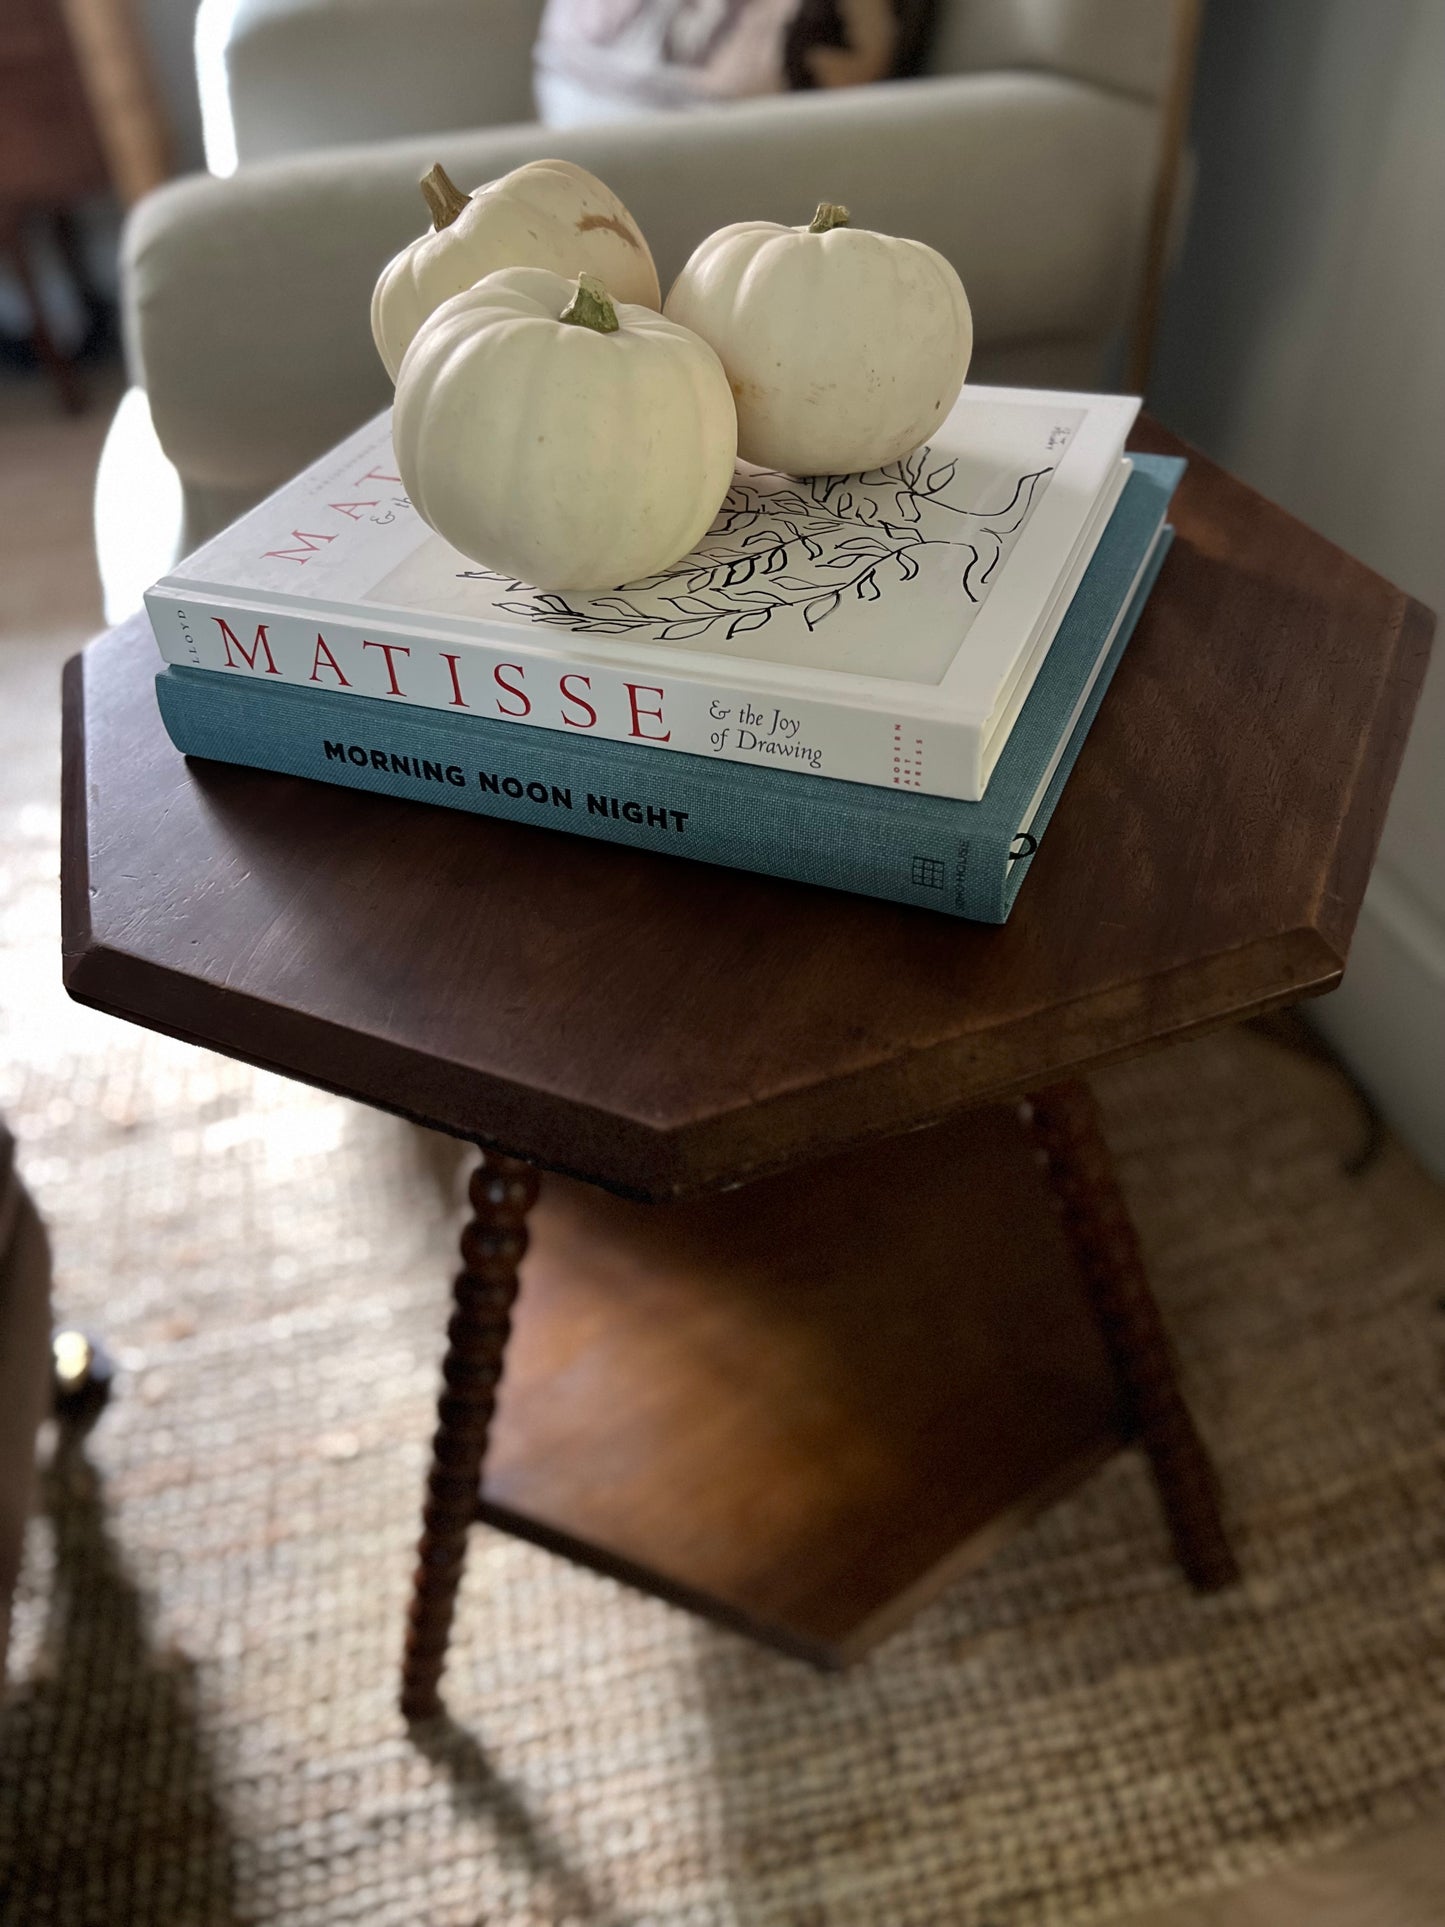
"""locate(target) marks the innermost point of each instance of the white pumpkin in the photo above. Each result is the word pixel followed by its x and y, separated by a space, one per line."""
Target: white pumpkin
pixel 559 438
pixel 845 349
pixel 548 214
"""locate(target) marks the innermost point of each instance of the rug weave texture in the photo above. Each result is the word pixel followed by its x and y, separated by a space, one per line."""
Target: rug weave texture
pixel 202 1728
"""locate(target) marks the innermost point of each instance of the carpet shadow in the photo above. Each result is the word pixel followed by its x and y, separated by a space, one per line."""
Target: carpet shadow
pixel 806 1767
pixel 109 1809
pixel 480 1792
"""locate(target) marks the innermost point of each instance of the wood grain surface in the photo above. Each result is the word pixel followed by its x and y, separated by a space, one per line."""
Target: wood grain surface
pixel 502 1192
pixel 803 1407
pixel 662 1027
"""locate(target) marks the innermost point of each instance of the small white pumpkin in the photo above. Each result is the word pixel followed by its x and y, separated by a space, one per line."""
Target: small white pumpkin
pixel 845 348
pixel 547 214
pixel 559 438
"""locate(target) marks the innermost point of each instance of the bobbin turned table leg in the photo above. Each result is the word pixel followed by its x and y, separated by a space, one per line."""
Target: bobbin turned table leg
pixel 502 1191
pixel 1065 1121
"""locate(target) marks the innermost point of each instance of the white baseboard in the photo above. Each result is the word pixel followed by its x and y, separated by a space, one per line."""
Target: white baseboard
pixel 1387 1020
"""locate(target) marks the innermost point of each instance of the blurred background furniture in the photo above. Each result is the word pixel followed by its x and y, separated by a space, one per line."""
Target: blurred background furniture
pixel 50 156
pixel 78 115
pixel 25 1383
pixel 115 71
pixel 1032 154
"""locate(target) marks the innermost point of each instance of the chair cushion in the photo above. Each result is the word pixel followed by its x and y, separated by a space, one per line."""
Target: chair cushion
pixel 1128 45
pixel 610 59
pixel 280 77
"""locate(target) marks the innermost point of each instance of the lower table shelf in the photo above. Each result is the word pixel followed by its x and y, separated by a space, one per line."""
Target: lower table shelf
pixel 802 1407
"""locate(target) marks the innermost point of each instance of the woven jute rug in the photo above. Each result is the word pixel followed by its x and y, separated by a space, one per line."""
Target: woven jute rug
pixel 201 1725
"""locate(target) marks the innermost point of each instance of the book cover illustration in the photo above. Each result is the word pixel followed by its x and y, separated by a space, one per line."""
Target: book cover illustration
pixel 794 571
pixel 882 628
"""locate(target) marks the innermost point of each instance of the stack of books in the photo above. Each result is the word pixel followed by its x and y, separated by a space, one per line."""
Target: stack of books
pixel 877 682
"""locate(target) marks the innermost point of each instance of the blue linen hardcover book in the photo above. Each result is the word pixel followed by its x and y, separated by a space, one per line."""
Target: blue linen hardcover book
pixel 966 859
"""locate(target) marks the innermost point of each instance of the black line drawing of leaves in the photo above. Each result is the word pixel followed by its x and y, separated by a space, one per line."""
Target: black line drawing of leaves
pixel 777 550
pixel 1022 501
pixel 754 619
pixel 997 515
pixel 735 515
pixel 685 631
pixel 697 605
pixel 620 603
pixel 1026 486
pixel 689 578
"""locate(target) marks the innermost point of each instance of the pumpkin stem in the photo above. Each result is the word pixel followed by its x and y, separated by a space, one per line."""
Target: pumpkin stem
pixel 591 307
pixel 829 215
pixel 442 196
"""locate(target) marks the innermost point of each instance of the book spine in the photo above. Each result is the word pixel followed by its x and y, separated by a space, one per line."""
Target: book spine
pixel 842 836
pixel 668 710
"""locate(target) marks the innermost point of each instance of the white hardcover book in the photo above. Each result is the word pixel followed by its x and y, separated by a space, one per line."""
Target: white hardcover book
pixel 881 628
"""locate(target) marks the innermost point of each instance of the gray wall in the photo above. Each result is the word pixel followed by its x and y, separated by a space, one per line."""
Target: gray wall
pixel 1303 345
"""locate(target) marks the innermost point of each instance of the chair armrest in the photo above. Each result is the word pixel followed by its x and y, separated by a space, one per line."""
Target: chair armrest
pixel 246 299
pixel 281 77
pixel 1128 45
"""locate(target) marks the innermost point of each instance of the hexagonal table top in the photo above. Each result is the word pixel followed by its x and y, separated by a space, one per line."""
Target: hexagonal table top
pixel 660 1026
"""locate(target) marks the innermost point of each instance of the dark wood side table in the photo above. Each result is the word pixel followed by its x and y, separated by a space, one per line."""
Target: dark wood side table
pixel 804 1404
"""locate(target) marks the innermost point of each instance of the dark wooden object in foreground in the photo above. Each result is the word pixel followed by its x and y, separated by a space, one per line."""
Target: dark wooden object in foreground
pixel 807 1428
pixel 1067 1126
pixel 502 1192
